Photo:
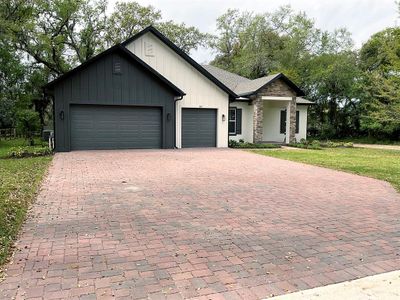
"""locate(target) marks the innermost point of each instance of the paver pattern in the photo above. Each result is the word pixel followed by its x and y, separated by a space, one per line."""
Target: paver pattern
pixel 202 224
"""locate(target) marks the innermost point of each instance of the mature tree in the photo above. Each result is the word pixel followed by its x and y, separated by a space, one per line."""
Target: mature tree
pixel 12 71
pixel 320 62
pixel 332 82
pixel 255 45
pixel 57 34
pixel 11 82
pixel 187 38
pixel 380 61
pixel 128 18
pixel 60 34
pixel 41 39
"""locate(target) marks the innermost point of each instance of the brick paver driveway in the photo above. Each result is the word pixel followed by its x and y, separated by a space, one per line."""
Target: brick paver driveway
pixel 206 223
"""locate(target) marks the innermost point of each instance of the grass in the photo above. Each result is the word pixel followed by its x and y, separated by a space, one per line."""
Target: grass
pixel 6 145
pixel 376 163
pixel 19 182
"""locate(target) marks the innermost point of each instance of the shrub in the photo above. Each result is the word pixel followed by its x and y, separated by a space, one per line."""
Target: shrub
pixel 27 123
pixel 348 145
pixel 317 145
pixel 20 152
pixel 245 145
pixel 233 144
pixel 314 145
pixel 330 144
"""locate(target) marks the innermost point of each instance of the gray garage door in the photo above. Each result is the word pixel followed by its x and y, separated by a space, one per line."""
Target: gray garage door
pixel 199 127
pixel 115 127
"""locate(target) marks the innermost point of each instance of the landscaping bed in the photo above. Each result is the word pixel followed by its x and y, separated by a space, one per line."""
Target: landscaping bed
pixel 318 145
pixel 245 145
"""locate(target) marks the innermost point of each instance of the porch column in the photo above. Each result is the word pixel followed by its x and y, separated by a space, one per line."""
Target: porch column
pixel 291 121
pixel 258 117
pixel 288 114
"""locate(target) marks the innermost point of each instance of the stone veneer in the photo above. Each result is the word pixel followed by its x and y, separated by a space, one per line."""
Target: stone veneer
pixel 280 89
pixel 292 131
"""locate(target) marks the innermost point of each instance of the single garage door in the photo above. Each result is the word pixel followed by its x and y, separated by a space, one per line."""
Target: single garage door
pixel 199 127
pixel 115 127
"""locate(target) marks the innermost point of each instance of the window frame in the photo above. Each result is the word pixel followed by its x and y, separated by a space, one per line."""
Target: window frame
pixel 280 121
pixel 297 130
pixel 232 120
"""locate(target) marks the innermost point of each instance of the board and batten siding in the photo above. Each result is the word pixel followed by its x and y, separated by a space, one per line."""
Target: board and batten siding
pixel 200 91
pixel 98 84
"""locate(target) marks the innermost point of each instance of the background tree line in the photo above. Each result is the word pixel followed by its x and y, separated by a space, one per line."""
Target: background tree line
pixel 357 91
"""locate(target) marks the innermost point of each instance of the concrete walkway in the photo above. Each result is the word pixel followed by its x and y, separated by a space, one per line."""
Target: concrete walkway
pixel 377 146
pixel 384 286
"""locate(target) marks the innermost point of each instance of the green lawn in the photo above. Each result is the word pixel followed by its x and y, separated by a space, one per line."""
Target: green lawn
pixel 376 163
pixel 6 145
pixel 19 182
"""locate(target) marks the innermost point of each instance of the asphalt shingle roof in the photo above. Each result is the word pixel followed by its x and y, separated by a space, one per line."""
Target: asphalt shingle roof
pixel 300 100
pixel 239 84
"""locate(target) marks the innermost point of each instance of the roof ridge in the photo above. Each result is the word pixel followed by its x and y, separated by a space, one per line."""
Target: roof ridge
pixel 208 65
pixel 183 55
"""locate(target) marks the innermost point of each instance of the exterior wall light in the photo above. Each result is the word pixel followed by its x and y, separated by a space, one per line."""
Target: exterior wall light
pixel 223 117
pixel 168 117
pixel 61 115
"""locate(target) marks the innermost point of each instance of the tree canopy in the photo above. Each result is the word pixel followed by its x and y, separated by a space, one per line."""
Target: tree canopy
pixel 41 39
pixel 380 61
pixel 356 91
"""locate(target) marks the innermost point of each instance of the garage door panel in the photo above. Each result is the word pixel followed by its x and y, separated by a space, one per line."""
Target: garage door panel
pixel 199 127
pixel 115 127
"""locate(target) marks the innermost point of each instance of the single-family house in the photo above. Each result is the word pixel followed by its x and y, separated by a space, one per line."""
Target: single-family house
pixel 148 93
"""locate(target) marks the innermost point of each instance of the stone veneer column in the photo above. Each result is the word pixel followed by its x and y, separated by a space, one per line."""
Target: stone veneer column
pixel 292 130
pixel 258 120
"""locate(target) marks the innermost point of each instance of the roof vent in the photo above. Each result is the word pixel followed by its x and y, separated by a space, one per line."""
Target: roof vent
pixel 117 69
pixel 148 49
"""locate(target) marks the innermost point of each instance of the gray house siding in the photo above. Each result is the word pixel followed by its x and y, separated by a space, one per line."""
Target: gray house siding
pixel 98 83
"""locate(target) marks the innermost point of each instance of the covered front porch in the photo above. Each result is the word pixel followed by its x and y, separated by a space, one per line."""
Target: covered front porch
pixel 268 119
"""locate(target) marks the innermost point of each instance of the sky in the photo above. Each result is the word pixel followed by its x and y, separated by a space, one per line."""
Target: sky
pixel 361 17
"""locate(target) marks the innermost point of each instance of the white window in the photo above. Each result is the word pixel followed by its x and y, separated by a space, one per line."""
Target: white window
pixel 232 121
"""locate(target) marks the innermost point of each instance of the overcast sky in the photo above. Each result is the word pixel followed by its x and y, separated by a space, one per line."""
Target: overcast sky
pixel 361 17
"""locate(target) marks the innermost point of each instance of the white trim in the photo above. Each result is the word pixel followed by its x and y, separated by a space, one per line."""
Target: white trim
pixel 232 120
pixel 276 98
pixel 201 92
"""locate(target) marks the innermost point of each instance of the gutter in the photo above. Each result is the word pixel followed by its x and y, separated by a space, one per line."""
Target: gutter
pixel 176 99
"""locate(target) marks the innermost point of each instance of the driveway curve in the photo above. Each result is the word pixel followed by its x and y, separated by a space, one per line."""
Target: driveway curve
pixel 202 224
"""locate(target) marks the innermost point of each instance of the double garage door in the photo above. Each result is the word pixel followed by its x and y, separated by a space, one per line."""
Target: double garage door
pixel 124 127
pixel 115 127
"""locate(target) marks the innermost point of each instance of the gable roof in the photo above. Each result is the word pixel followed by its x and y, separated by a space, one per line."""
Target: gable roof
pixel 128 54
pixel 243 86
pixel 183 55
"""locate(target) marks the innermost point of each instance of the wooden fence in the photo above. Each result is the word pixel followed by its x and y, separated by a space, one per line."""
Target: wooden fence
pixel 8 133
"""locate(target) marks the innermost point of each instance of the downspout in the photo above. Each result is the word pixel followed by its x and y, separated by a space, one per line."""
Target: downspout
pixel 176 99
